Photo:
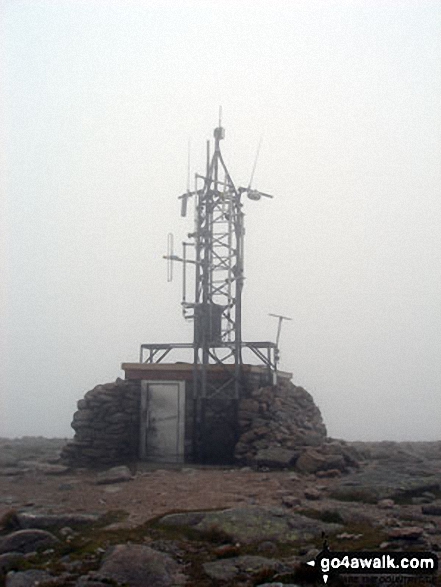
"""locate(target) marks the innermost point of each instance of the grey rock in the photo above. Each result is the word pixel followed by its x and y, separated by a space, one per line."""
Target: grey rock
pixel 44 521
pixel 7 499
pixel 419 500
pixel 13 471
pixel 114 475
pixel 405 533
pixel 275 457
pixel 138 566
pixel 83 414
pixel 87 581
pixel 386 504
pixel 282 417
pixel 8 461
pixel 27 541
pixel 312 494
pixel 228 569
pixel 254 524
pixel 334 462
pixel 383 482
pixel 328 473
pixel 310 461
pixel 432 509
pixel 312 439
pixel 30 578
pixel 171 547
pixel 9 560
pixel 291 501
pixel 118 417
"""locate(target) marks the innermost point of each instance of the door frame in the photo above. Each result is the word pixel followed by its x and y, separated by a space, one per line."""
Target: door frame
pixel 144 417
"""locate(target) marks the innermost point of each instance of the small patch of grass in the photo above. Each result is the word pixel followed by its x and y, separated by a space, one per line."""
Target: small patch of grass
pixel 214 535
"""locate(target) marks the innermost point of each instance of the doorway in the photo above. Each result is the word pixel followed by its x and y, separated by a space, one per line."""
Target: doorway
pixel 162 422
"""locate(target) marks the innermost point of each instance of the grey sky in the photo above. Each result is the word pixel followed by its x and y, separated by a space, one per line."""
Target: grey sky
pixel 98 102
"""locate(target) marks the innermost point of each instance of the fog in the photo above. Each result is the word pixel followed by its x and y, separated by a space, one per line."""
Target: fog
pixel 98 102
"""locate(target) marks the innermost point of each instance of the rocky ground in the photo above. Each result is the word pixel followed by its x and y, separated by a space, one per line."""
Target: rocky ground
pixel 140 525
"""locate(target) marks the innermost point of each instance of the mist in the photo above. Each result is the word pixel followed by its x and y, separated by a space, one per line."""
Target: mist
pixel 99 100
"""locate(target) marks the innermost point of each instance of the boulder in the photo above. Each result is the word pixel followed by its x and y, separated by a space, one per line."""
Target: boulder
pixel 138 566
pixel 114 475
pixel 9 560
pixel 312 494
pixel 27 541
pixel 253 524
pixel 310 461
pixel 31 578
pixel 386 504
pixel 228 569
pixel 275 457
pixel 382 482
pixel 405 533
pixel 432 509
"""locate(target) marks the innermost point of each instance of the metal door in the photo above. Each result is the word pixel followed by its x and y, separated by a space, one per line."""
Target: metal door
pixel 162 421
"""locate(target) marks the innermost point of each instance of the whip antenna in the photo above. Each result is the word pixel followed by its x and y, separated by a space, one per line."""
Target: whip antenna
pixel 170 257
pixel 255 164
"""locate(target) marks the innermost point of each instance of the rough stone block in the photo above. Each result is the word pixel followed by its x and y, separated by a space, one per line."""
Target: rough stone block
pixel 275 457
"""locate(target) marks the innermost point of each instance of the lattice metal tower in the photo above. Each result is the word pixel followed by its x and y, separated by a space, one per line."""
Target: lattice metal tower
pixel 216 254
pixel 218 241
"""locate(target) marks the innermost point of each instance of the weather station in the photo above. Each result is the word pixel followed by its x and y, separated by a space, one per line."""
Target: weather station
pixel 212 261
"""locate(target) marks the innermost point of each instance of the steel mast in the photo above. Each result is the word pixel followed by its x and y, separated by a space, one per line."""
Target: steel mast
pixel 217 315
pixel 217 257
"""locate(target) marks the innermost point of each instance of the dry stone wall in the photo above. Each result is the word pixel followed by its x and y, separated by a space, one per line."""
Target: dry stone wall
pixel 277 423
pixel 106 425
pixel 279 426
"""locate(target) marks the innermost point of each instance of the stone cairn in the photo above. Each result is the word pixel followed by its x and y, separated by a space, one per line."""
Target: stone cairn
pixel 106 425
pixel 283 417
pixel 279 426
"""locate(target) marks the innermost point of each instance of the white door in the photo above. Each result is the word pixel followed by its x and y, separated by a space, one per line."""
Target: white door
pixel 162 421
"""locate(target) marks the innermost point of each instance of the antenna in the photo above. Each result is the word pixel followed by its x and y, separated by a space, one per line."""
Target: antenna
pixel 276 352
pixel 184 197
pixel 279 327
pixel 215 256
pixel 255 164
pixel 170 257
pixel 188 166
pixel 254 194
